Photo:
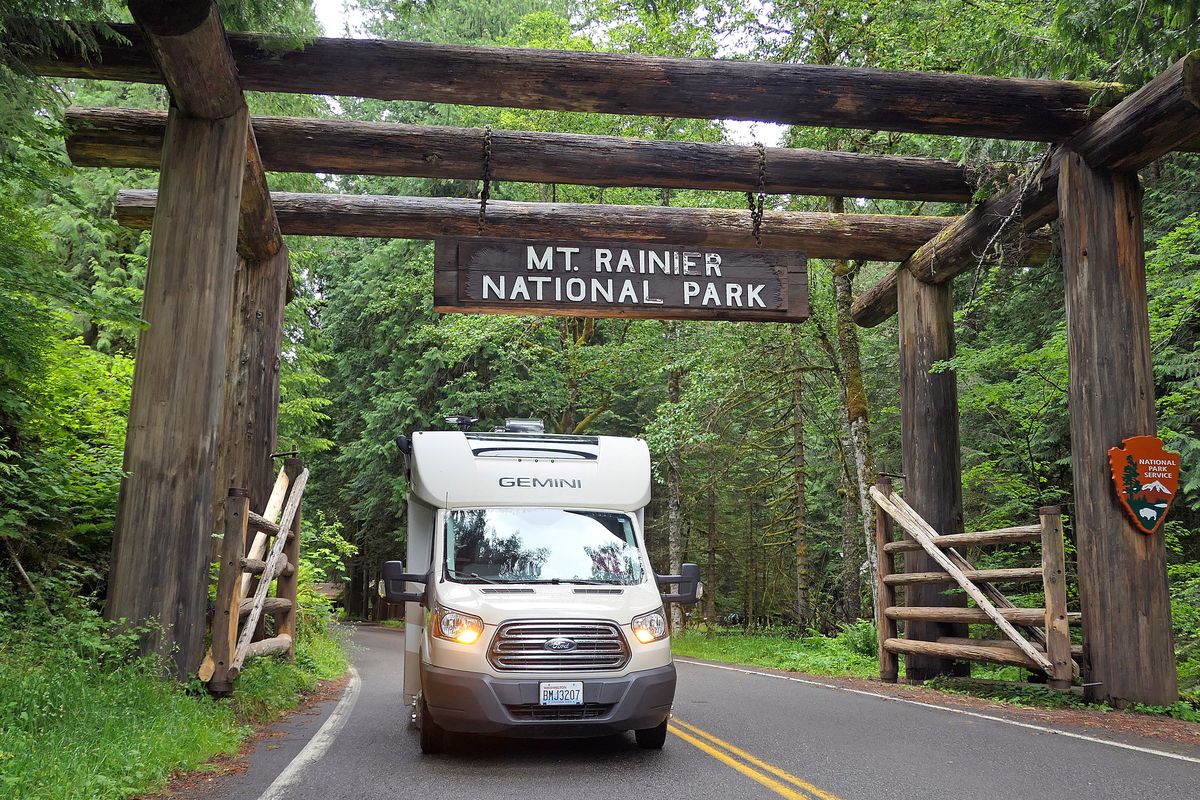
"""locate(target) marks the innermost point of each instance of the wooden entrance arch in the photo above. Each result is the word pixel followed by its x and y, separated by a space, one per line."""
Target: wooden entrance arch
pixel 207 364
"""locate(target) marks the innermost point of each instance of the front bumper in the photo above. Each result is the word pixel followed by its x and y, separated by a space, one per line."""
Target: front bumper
pixel 471 702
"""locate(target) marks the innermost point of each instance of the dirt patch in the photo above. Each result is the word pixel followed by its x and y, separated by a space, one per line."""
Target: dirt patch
pixel 1081 720
pixel 197 785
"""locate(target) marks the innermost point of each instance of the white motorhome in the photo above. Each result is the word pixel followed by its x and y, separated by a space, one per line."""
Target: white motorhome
pixel 532 609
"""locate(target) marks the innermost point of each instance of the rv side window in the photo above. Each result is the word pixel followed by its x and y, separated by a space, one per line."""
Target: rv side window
pixel 541 545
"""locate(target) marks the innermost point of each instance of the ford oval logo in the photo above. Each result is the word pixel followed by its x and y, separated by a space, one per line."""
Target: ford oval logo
pixel 560 645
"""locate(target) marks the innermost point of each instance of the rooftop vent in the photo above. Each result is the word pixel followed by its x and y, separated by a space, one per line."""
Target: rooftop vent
pixel 524 426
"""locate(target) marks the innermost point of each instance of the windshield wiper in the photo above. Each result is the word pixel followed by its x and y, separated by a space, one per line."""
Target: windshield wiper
pixel 453 573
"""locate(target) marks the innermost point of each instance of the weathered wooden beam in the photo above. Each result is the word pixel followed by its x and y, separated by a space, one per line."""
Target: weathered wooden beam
pixel 251 405
pixel 885 594
pixel 256 566
pixel 1129 654
pixel 798 94
pixel 270 605
pixel 991 575
pixel 215 668
pixel 188 43
pixel 1054 587
pixel 1156 119
pixel 121 137
pixel 259 238
pixel 929 445
pixel 1162 115
pixel 1074 650
pixel 267 647
pixel 1024 533
pixel 166 510
pixel 876 237
pixel 1019 616
pixel 287 585
pixel 939 650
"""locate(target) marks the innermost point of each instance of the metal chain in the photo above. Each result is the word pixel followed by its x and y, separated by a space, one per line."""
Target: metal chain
pixel 756 203
pixel 485 190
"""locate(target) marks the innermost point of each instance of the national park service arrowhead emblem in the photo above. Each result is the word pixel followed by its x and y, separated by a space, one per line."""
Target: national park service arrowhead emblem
pixel 1146 477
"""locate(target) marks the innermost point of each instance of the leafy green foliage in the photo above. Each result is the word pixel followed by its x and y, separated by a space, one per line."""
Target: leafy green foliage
pixel 323 550
pixel 82 717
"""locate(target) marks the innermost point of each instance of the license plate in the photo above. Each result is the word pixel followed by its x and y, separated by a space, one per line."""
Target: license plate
pixel 563 693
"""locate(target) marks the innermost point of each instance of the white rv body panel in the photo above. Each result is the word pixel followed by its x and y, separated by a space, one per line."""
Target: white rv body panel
pixel 493 470
pixel 582 499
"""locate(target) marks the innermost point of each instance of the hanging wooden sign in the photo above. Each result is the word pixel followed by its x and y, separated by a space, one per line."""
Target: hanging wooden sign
pixel 619 279
pixel 1146 477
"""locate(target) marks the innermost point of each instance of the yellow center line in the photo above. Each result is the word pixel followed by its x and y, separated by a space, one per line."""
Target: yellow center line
pixel 813 791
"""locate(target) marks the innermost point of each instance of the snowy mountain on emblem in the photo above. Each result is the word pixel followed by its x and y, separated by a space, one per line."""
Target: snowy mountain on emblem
pixel 1157 487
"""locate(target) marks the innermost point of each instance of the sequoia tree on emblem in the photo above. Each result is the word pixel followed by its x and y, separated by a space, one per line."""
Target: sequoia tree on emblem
pixel 1146 477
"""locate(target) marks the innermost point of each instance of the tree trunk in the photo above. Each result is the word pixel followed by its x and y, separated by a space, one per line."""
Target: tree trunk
pixel 674 488
pixel 800 525
pixel 857 410
pixel 710 589
pixel 851 545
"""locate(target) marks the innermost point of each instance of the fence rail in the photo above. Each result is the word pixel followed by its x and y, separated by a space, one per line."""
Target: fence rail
pixel 1043 645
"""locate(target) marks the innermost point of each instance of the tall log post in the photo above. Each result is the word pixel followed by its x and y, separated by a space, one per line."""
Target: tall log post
pixel 885 593
pixel 251 406
pixel 225 616
pixel 930 446
pixel 159 568
pixel 1129 654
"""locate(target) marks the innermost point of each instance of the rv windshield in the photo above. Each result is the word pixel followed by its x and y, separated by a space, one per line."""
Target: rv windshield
pixel 541 545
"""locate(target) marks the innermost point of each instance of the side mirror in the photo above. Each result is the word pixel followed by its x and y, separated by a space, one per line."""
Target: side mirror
pixel 689 585
pixel 394 578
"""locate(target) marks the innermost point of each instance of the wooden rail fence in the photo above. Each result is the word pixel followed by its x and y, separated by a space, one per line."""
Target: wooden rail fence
pixel 1044 645
pixel 257 549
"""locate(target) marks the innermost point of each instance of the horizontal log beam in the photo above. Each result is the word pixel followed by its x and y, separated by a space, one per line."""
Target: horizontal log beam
pixel 256 566
pixel 974 575
pixel 119 137
pixel 996 655
pixel 1018 616
pixel 874 237
pixel 1076 649
pixel 267 647
pixel 258 522
pixel 1024 533
pixel 1162 115
pixel 797 94
pixel 271 605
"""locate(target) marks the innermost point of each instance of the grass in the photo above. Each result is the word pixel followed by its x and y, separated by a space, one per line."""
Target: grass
pixel 72 727
pixel 842 655
pixel 82 718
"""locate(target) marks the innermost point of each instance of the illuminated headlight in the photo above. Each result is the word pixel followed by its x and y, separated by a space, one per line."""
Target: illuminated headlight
pixel 650 627
pixel 456 626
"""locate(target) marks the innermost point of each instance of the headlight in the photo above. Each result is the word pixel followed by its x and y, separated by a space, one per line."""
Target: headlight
pixel 456 626
pixel 650 627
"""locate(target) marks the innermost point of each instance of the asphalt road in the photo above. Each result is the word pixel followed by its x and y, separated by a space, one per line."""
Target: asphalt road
pixel 735 735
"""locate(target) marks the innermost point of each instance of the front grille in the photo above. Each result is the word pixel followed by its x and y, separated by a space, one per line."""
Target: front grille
pixel 531 711
pixel 520 646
